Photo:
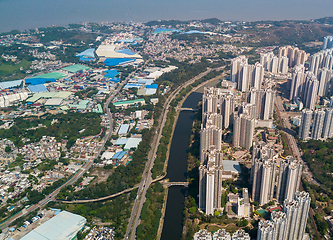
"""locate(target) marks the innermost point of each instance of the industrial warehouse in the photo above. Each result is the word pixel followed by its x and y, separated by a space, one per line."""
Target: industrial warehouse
pixel 64 225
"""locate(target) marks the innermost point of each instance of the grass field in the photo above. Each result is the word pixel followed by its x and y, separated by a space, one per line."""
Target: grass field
pixel 10 70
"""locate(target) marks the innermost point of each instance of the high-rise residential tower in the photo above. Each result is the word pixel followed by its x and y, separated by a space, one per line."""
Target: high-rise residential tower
pixel 296 213
pixel 227 106
pixel 209 103
pixel 318 124
pixel 243 131
pixel 289 224
pixel 263 101
pixel 203 234
pixel 294 55
pixel 310 91
pixel 328 42
pixel 240 235
pixel 279 221
pixel 236 65
pixel 297 82
pixel 328 124
pixel 221 234
pixel 303 199
pixel 210 180
pixel 263 170
pixel 289 178
pixel 210 136
pixel 304 128
pixel 265 230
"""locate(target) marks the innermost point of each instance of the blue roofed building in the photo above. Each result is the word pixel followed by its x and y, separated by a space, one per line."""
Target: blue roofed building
pixel 154 86
pixel 10 84
pixel 38 81
pixel 118 61
pixel 87 55
pixel 126 40
pixel 119 155
pixel 111 73
pixel 37 88
pixel 123 130
pixel 126 51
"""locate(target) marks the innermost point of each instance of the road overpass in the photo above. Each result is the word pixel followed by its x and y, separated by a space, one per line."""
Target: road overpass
pixel 186 109
pixel 170 184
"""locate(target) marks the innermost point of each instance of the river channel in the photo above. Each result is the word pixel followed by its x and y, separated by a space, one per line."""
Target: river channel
pixel 177 168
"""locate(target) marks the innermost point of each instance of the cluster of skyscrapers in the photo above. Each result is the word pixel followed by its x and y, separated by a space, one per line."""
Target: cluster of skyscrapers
pixel 307 87
pixel 273 177
pixel 321 65
pixel 288 57
pixel 244 125
pixel 256 112
pixel 246 75
pixel 294 54
pixel 258 105
pixel 322 124
pixel 304 87
pixel 216 114
pixel 221 234
pixel 289 224
pixel 263 101
pixel 274 64
pixel 318 80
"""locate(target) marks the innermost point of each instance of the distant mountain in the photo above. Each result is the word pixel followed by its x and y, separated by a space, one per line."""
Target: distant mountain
pixel 211 20
pixel 325 20
pixel 172 23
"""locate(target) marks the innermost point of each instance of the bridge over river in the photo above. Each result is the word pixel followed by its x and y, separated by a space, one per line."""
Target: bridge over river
pixel 186 109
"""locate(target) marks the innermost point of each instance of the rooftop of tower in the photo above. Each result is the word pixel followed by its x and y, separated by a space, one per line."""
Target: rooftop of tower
pixel 278 216
pixel 265 225
pixel 302 195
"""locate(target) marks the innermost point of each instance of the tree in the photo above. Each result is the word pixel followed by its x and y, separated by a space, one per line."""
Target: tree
pixel 224 199
pixel 193 210
pixel 242 223
pixel 8 149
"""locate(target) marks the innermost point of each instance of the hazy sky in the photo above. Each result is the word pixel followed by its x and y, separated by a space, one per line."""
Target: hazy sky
pixel 24 14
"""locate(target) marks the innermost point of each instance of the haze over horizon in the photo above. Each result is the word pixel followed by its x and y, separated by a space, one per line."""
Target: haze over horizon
pixel 21 15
